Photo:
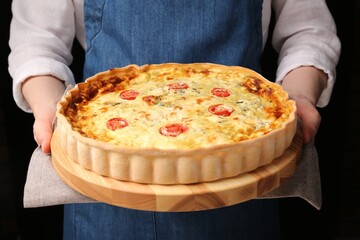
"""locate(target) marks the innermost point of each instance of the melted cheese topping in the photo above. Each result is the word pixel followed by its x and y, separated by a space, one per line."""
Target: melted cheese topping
pixel 252 108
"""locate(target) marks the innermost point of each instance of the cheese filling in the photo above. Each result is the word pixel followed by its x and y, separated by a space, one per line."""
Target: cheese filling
pixel 158 110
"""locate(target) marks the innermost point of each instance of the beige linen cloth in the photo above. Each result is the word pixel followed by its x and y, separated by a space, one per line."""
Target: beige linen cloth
pixel 44 187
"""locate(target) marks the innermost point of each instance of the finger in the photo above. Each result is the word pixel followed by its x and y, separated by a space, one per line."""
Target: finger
pixel 310 121
pixel 42 134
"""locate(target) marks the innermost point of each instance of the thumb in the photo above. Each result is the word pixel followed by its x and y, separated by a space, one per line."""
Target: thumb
pixel 42 133
pixel 310 120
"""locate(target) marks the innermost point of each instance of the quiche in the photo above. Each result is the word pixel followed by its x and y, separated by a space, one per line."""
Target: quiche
pixel 175 123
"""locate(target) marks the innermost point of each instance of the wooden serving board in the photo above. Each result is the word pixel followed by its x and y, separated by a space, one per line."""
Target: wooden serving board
pixel 177 198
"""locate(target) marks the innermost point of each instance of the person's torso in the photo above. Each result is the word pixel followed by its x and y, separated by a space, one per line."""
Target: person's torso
pixel 140 32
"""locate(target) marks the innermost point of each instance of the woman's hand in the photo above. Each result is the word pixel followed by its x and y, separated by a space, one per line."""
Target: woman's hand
pixel 305 85
pixel 310 118
pixel 43 129
pixel 42 93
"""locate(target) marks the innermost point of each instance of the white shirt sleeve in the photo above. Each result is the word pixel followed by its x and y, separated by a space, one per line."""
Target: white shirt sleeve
pixel 41 38
pixel 305 35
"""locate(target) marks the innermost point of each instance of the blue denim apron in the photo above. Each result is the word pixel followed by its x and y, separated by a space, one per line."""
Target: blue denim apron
pixel 125 32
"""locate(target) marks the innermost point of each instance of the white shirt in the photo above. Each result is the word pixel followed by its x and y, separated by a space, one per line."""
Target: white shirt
pixel 42 34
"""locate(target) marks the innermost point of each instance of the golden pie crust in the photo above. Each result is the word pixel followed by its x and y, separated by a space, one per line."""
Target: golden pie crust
pixel 179 123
